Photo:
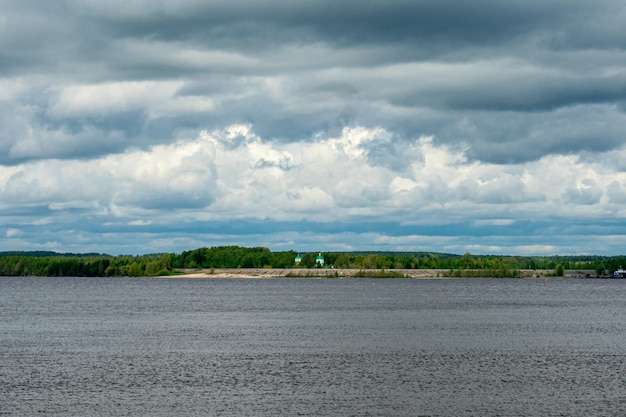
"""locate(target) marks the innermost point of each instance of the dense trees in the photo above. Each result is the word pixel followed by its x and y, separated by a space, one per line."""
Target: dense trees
pixel 233 257
pixel 94 265
pixel 50 264
pixel 97 266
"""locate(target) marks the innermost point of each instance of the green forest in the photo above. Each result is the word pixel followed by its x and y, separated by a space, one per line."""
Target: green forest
pixel 101 265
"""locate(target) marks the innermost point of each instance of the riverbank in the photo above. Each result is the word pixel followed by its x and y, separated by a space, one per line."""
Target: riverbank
pixel 260 273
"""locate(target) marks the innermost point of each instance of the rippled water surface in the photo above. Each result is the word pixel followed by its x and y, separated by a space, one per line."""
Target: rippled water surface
pixel 307 347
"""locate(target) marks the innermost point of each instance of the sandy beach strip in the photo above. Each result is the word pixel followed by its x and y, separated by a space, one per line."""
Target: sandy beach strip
pixel 228 273
pixel 281 273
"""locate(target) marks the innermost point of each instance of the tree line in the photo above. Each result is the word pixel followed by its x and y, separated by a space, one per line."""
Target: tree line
pixel 101 265
pixel 90 266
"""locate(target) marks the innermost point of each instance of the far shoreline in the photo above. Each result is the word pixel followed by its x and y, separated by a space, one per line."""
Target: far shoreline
pixel 267 273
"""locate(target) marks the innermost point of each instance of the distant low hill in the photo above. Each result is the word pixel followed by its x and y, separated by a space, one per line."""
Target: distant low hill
pixel 439 255
pixel 47 254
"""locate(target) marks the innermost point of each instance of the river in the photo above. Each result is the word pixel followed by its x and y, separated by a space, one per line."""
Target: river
pixel 312 347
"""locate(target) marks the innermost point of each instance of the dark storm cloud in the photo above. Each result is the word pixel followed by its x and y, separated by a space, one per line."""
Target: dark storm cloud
pixel 521 92
pixel 350 22
pixel 339 63
pixel 442 27
pixel 515 137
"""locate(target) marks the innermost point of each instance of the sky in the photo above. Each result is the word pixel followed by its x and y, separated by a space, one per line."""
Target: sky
pixel 488 127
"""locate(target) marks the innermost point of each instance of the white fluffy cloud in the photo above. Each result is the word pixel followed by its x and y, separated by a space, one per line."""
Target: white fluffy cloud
pixel 221 174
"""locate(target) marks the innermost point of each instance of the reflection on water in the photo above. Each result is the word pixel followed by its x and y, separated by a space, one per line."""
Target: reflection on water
pixel 162 347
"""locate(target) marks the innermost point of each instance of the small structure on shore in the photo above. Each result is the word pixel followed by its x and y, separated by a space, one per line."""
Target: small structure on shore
pixel 619 273
pixel 319 260
pixel 298 259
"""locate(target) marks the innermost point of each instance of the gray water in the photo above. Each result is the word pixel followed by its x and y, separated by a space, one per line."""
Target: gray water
pixel 307 347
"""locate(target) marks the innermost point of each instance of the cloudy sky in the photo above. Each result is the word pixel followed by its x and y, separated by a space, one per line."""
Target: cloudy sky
pixel 489 127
